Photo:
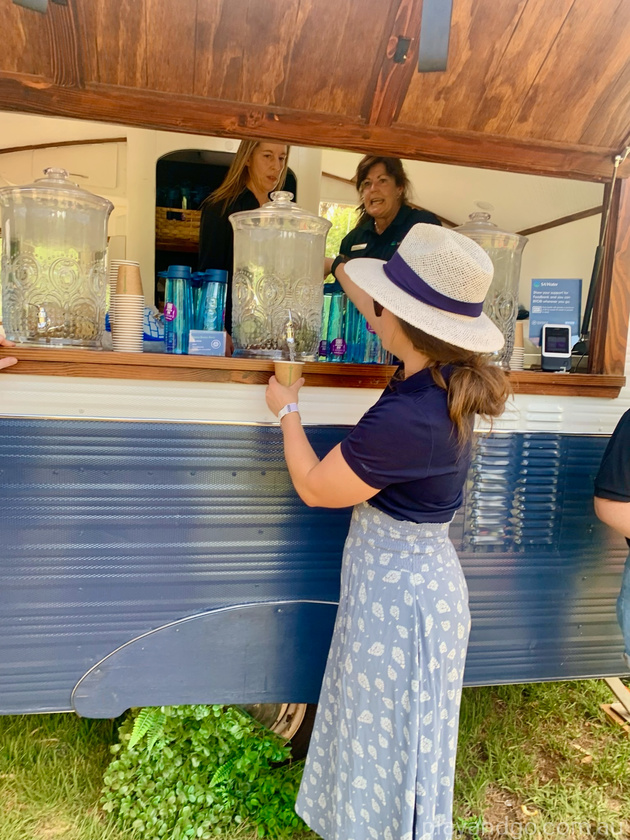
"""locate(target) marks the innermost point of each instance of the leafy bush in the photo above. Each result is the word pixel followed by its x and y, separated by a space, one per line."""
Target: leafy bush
pixel 197 771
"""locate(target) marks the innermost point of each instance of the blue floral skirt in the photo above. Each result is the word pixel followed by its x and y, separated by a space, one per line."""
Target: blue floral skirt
pixel 382 756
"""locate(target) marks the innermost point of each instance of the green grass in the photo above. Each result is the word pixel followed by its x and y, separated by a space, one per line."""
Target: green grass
pixel 535 761
pixel 545 758
pixel 51 770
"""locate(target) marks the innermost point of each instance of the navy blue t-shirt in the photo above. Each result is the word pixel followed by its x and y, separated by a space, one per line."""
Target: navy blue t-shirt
pixel 613 479
pixel 406 445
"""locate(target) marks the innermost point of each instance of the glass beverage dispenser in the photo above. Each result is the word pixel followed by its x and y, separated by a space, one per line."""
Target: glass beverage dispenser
pixel 278 279
pixel 54 243
pixel 505 250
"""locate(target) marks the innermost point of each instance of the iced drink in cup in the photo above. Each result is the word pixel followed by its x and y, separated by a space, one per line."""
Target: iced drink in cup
pixel 288 372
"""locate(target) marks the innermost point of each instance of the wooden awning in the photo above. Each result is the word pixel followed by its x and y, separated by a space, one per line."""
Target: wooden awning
pixel 531 85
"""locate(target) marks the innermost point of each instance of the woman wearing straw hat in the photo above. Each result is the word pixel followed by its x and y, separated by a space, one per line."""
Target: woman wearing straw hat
pixel 382 755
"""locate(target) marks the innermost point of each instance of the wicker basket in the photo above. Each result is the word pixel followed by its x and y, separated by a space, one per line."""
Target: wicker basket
pixel 172 223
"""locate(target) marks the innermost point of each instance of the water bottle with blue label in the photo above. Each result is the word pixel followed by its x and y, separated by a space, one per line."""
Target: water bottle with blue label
pixel 210 309
pixel 178 308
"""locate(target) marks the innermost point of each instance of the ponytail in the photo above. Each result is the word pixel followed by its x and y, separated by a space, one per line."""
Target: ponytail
pixel 475 386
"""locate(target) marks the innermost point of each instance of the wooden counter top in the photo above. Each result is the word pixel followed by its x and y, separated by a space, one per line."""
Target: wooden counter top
pixel 155 366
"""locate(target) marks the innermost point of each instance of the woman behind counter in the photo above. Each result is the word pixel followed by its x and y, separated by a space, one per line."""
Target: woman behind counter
pixel 386 215
pixel 258 168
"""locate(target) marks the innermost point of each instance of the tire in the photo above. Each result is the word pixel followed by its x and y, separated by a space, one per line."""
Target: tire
pixel 291 721
pixel 302 738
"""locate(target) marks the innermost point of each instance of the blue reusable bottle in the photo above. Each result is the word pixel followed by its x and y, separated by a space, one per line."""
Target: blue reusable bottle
pixel 178 309
pixel 196 283
pixel 373 348
pixel 210 309
pixel 335 337
pixel 349 332
pixel 323 344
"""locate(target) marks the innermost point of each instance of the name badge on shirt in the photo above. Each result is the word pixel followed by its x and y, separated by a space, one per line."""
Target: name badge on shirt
pixel 359 247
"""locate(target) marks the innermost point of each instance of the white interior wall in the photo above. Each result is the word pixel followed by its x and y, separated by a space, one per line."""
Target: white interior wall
pixel 125 173
pixel 563 252
pixel 336 192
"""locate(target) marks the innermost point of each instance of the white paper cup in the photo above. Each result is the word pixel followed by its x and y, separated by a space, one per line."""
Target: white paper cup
pixel 127 322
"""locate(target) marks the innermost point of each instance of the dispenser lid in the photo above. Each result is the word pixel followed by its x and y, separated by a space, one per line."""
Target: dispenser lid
pixel 55 185
pixel 280 213
pixel 479 227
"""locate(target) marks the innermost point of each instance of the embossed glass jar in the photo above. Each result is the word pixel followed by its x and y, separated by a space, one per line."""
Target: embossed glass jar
pixel 54 244
pixel 505 250
pixel 278 269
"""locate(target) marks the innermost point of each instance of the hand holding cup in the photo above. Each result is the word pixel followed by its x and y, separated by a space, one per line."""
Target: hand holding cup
pixel 278 395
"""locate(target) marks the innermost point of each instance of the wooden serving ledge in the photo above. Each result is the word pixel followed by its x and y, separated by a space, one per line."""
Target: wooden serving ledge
pixel 155 366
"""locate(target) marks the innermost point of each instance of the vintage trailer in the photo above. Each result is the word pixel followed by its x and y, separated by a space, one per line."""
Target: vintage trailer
pixel 154 551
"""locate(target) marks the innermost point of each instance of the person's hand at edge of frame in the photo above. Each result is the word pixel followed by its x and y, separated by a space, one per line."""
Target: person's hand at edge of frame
pixel 278 395
pixel 7 361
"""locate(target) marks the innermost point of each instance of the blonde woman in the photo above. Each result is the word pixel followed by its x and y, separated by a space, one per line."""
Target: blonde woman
pixel 258 168
pixel 382 757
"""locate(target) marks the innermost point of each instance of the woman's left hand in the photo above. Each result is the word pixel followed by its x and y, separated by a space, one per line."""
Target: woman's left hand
pixel 278 395
pixel 7 361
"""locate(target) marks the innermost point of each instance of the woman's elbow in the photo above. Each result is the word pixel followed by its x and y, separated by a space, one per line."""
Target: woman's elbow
pixel 309 498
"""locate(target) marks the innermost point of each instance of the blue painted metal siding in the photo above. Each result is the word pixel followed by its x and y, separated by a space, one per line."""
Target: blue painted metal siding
pixel 111 529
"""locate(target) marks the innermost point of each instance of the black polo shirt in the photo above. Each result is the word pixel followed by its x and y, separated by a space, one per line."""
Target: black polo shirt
pixel 613 479
pixel 216 240
pixel 406 446
pixel 364 241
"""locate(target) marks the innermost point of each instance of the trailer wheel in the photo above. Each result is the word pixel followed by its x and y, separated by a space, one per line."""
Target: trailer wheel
pixel 291 721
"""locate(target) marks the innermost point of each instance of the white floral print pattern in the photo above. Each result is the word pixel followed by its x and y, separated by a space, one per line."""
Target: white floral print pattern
pixel 382 756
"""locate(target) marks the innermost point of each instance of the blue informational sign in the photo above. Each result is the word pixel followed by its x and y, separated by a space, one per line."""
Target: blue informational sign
pixel 555 302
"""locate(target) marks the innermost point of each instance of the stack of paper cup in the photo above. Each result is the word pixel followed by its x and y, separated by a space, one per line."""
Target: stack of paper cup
pixel 517 359
pixel 112 280
pixel 127 309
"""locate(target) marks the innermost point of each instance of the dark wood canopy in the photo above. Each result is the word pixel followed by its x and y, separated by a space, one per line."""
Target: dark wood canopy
pixel 538 86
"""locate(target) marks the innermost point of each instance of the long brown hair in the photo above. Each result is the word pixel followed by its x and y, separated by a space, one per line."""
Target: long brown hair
pixel 475 386
pixel 393 167
pixel 236 179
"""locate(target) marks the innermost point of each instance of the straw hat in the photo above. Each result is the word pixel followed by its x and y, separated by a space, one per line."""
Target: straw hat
pixel 437 282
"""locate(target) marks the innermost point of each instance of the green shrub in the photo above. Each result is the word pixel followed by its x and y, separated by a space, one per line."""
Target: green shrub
pixel 199 771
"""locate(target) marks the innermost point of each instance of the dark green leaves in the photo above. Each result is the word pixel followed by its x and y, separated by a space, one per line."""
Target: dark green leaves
pixel 199 771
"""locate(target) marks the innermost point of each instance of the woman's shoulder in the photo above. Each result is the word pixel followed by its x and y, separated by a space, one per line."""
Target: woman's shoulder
pixel 245 200
pixel 415 216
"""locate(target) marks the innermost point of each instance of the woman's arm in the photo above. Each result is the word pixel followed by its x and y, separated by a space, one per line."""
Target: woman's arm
pixel 614 514
pixel 327 483
pixel 7 361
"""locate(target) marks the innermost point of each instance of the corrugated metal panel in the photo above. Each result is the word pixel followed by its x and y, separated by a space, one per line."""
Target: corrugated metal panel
pixel 112 529
pixel 543 572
